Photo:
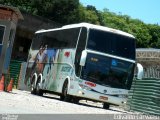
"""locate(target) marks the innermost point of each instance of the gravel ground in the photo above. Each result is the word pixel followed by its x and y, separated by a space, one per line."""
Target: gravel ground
pixel 22 102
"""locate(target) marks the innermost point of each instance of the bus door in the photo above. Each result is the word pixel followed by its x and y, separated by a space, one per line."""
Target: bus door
pixel 80 47
pixel 2 28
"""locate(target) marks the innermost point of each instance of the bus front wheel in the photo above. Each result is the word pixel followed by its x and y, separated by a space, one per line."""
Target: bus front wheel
pixel 64 95
pixel 75 100
pixel 106 106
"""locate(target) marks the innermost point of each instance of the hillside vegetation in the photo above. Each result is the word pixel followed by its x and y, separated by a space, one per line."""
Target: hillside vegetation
pixel 71 11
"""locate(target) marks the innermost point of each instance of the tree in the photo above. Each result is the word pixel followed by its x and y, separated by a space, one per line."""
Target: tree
pixel 154 31
pixel 71 11
pixel 64 11
pixel 58 10
pixel 87 15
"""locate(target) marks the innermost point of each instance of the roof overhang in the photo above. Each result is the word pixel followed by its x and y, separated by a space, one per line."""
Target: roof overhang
pixel 14 9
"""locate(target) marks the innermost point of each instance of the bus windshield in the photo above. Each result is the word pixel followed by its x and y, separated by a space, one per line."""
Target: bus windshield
pixel 111 43
pixel 108 71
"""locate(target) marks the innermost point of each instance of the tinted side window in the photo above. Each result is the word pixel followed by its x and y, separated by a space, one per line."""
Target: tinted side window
pixel 66 38
pixel 2 28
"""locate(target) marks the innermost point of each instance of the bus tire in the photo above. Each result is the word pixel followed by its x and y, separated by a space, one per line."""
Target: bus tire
pixel 61 97
pixel 75 100
pixel 106 106
pixel 38 90
pixel 65 96
pixel 33 89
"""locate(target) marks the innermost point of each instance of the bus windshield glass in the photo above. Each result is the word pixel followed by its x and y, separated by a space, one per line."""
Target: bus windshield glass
pixel 108 71
pixel 111 43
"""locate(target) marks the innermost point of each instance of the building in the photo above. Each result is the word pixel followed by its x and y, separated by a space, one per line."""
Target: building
pixel 150 60
pixel 25 32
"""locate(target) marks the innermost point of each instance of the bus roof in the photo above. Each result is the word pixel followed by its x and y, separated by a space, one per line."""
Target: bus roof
pixel 88 25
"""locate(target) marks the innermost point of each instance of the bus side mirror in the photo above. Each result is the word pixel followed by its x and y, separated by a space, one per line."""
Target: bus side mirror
pixel 139 71
pixel 83 58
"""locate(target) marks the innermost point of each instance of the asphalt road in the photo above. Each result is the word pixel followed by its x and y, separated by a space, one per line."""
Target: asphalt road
pixel 28 106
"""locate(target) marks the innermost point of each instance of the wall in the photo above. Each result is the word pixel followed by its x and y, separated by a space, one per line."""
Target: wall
pixel 25 32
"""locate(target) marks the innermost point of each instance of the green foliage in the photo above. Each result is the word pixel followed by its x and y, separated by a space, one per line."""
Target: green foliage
pixel 71 11
pixel 154 31
pixel 58 10
pixel 87 15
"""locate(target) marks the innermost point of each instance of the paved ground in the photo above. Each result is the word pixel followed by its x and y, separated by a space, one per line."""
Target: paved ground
pixel 22 102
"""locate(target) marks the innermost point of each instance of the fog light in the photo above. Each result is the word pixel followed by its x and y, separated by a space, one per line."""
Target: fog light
pixel 80 92
pixel 123 102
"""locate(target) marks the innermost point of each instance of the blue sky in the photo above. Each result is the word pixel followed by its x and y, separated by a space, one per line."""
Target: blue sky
pixel 147 11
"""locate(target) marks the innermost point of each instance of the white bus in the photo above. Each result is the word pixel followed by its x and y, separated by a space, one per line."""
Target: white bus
pixel 82 61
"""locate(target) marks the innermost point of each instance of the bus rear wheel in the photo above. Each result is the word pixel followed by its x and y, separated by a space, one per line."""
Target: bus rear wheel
pixel 33 89
pixel 106 106
pixel 38 90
